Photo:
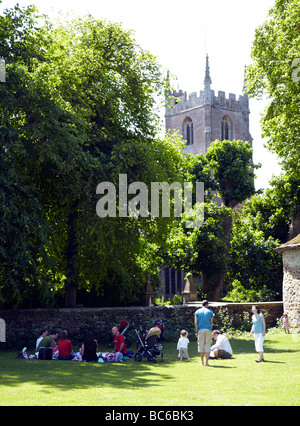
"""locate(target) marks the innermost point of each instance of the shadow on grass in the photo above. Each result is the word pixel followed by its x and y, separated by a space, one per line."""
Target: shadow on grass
pixel 66 375
pixel 70 375
pixel 242 345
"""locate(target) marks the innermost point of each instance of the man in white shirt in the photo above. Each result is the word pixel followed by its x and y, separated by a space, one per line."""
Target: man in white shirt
pixel 222 348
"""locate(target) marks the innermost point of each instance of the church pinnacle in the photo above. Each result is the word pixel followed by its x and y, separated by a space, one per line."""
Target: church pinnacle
pixel 207 83
pixel 207 79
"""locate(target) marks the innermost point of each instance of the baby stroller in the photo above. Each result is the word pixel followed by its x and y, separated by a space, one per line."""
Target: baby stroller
pixel 160 325
pixel 158 345
pixel 122 330
pixel 146 347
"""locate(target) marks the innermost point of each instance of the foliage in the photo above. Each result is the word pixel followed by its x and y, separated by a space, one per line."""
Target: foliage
pixel 232 324
pixel 230 162
pixel 204 250
pixel 270 212
pixel 80 107
pixel 274 72
pixel 200 249
pixel 175 300
pixel 254 268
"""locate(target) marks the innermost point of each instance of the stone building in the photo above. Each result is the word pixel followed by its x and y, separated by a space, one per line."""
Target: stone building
pixel 201 120
pixel 291 279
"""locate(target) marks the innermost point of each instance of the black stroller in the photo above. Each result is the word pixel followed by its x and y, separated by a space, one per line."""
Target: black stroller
pixel 147 347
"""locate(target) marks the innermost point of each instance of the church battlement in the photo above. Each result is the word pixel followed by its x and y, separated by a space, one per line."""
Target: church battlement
pixel 202 117
pixel 184 102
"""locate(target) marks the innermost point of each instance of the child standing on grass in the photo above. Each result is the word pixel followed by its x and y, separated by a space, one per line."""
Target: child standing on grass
pixel 182 345
pixel 285 320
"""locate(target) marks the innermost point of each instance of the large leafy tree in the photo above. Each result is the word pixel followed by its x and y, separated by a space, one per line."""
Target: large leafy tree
pixel 226 171
pixel 275 73
pixel 231 163
pixel 78 108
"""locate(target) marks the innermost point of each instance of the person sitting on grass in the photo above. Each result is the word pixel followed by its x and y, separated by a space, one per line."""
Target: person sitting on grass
pixel 49 342
pixel 44 333
pixel 222 348
pixel 65 352
pixel 119 341
pixel 89 348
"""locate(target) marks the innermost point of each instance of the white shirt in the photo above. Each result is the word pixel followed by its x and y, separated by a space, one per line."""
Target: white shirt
pixel 183 343
pixel 38 342
pixel 222 343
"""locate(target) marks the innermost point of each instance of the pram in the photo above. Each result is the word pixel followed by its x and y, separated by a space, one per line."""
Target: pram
pixel 146 347
pixel 122 330
pixel 158 345
pixel 160 325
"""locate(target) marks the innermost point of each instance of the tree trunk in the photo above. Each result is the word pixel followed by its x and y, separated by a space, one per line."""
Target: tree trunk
pixel 71 255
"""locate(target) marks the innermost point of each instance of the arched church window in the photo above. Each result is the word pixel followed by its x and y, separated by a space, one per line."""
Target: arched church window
pixel 226 128
pixel 188 131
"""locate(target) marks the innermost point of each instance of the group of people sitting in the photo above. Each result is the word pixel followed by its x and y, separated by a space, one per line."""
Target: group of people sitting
pixel 88 352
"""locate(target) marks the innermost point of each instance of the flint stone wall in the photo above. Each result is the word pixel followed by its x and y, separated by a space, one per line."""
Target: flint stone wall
pixel 291 286
pixel 23 326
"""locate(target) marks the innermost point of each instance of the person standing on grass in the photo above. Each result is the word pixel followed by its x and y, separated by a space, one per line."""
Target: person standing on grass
pixel 285 320
pixel 259 329
pixel 203 328
pixel 182 345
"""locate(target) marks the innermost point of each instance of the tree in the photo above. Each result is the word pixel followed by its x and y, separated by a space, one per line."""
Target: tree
pixel 81 103
pixel 226 168
pixel 26 269
pixel 201 250
pixel 230 162
pixel 275 73
pixel 254 268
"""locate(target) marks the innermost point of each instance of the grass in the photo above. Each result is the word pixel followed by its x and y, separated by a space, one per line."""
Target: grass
pixel 238 381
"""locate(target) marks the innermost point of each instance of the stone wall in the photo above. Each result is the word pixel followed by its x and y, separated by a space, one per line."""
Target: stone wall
pixel 291 279
pixel 291 286
pixel 23 326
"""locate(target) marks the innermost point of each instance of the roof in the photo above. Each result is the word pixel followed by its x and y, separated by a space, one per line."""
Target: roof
pixel 290 245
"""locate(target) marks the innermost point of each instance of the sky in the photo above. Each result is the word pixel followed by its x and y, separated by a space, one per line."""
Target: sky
pixel 180 34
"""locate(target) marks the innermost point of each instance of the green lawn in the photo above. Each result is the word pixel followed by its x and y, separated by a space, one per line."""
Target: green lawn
pixel 239 381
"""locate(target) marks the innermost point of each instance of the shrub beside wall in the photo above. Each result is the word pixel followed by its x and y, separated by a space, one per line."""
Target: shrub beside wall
pixel 23 326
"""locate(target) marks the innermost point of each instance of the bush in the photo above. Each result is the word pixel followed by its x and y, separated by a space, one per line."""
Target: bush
pixel 240 294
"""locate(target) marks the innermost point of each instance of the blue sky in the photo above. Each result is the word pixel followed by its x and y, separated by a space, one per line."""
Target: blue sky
pixel 180 33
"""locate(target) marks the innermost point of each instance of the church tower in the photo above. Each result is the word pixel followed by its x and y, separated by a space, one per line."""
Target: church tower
pixel 203 119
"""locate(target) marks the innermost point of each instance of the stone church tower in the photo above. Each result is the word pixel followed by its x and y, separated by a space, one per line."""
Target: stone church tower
pixel 203 119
